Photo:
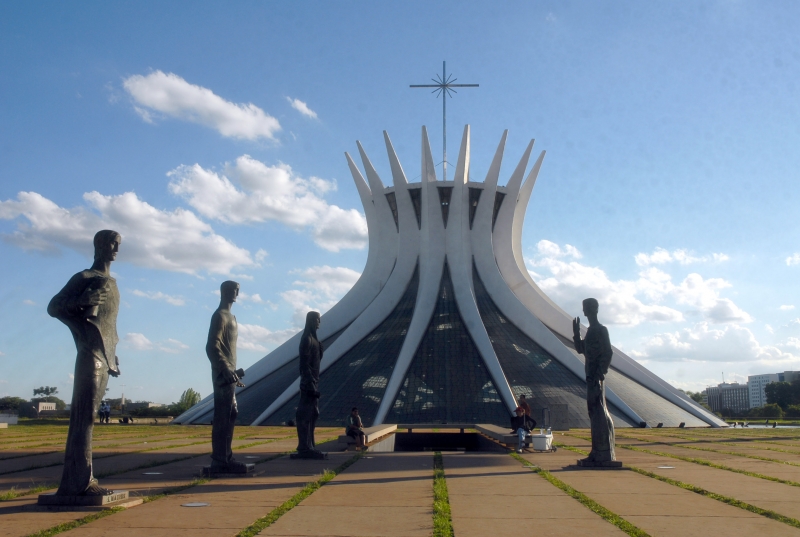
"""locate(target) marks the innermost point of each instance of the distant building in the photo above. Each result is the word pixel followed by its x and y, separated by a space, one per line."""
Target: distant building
pixel 757 383
pixel 730 396
pixel 136 406
pixel 789 376
pixel 41 407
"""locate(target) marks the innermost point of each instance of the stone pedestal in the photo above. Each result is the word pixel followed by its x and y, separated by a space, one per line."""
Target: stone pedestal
pixel 105 500
pixel 240 470
pixel 600 465
pixel 312 455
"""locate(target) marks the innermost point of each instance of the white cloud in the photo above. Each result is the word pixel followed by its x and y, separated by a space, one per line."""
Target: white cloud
pixel 302 107
pixel 786 307
pixel 570 282
pixel 137 341
pixel 683 257
pixel 158 295
pixel 631 302
pixel 171 95
pixel 174 240
pixel 794 259
pixel 29 302
pixel 172 346
pixel 319 289
pixel 269 193
pixel 255 338
pixel 702 343
pixel 244 297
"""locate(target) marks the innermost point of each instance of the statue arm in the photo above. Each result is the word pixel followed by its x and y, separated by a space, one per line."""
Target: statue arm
pixel 216 352
pixel 576 336
pixel 604 362
pixel 309 382
pixel 66 302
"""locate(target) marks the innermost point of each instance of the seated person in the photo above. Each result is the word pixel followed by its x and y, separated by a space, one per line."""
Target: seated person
pixel 353 428
pixel 521 425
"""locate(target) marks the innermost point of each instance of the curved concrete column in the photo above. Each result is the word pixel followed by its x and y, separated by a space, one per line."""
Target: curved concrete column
pixel 431 265
pixel 407 240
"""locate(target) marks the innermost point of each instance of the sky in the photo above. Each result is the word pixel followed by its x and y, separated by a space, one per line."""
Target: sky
pixel 212 137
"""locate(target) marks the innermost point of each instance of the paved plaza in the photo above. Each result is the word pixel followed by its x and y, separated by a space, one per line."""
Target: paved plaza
pixel 680 482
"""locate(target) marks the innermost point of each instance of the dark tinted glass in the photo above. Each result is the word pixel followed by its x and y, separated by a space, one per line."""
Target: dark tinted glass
pixel 360 376
pixel 447 381
pixel 530 370
pixel 256 397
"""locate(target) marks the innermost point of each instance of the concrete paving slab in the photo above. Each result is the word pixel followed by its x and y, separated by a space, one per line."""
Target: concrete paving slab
pixel 489 492
pixel 657 507
pixel 389 494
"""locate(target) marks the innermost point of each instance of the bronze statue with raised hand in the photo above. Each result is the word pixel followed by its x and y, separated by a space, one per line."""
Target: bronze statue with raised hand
pixel 596 348
pixel 88 305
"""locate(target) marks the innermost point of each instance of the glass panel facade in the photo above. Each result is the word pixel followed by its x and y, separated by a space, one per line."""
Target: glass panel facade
pixel 392 200
pixel 360 376
pixel 447 381
pixel 416 201
pixel 474 198
pixel 445 192
pixel 256 397
pixel 649 405
pixel 498 201
pixel 530 370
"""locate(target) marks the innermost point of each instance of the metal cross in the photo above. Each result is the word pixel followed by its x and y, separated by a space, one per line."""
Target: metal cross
pixel 444 86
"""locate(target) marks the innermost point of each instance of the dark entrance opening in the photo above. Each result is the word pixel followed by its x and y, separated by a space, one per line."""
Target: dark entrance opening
pixel 425 441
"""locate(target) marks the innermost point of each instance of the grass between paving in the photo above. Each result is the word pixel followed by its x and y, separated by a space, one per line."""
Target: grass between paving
pixel 66 526
pixel 708 494
pixel 147 499
pixel 442 519
pixel 259 525
pixel 14 494
pixel 587 502
pixel 710 464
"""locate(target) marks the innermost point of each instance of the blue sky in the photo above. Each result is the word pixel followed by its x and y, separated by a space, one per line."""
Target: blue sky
pixel 212 136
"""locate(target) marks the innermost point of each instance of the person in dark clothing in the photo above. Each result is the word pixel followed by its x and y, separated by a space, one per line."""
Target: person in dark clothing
pixel 308 409
pixel 354 428
pixel 521 425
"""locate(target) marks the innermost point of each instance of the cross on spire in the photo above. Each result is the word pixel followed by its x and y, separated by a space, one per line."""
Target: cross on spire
pixel 444 86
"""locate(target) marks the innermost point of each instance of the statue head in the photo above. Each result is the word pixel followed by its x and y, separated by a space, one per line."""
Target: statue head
pixel 228 291
pixel 590 307
pixel 106 245
pixel 312 323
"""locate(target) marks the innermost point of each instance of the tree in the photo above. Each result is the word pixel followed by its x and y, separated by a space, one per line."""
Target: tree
pixel 783 394
pixel 45 391
pixel 11 403
pixel 771 410
pixel 188 399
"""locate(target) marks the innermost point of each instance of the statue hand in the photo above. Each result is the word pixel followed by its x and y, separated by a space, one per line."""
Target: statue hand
pixel 115 372
pixel 92 297
pixel 229 377
pixel 576 327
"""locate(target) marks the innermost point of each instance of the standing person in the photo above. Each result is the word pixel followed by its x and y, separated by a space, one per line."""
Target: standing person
pixel 596 348
pixel 308 409
pixel 354 428
pixel 221 351
pixel 88 305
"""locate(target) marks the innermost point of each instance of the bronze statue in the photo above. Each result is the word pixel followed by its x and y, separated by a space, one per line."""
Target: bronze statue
pixel 308 410
pixel 221 351
pixel 596 348
pixel 88 305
